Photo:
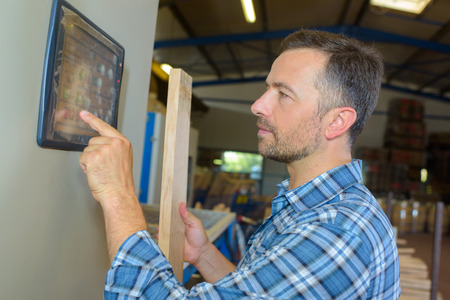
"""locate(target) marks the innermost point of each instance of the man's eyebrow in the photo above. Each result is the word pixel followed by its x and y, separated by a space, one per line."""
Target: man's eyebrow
pixel 284 86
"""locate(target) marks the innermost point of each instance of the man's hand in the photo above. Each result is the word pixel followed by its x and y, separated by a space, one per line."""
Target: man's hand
pixel 196 241
pixel 107 161
pixel 200 252
pixel 108 164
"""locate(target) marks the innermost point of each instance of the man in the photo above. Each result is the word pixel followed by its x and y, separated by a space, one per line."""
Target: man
pixel 326 238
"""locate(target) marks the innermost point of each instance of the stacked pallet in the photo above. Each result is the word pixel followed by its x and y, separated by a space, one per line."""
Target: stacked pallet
pixel 405 138
pixel 439 163
pixel 415 281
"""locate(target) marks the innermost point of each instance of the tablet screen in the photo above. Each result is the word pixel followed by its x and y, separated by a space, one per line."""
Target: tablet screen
pixel 84 70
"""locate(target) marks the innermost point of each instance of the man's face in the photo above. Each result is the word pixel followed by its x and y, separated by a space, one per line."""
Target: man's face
pixel 289 128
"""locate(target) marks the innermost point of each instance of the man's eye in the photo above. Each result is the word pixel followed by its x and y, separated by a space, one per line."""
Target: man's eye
pixel 282 95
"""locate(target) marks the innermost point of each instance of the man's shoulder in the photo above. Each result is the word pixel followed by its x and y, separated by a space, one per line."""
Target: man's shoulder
pixel 354 211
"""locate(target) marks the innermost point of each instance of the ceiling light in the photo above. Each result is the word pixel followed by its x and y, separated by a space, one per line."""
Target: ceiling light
pixel 249 11
pixel 166 68
pixel 410 6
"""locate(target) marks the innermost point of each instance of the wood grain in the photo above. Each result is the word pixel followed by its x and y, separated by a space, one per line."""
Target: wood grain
pixel 175 169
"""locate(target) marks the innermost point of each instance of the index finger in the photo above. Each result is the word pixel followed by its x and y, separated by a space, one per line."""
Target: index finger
pixel 103 128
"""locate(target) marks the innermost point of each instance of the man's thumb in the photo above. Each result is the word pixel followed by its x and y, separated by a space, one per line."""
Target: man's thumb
pixel 188 218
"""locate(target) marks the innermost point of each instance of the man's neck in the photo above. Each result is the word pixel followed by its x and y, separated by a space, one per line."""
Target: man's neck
pixel 308 168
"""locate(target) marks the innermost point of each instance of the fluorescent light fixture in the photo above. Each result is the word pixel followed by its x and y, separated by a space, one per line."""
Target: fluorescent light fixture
pixel 249 11
pixel 166 68
pixel 410 6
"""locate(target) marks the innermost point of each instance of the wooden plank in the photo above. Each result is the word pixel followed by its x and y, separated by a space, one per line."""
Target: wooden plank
pixel 418 284
pixel 402 251
pixel 401 242
pixel 413 267
pixel 406 272
pixel 413 275
pixel 408 293
pixel 411 263
pixel 175 169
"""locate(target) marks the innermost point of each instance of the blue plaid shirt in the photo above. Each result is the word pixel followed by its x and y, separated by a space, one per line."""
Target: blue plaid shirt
pixel 327 239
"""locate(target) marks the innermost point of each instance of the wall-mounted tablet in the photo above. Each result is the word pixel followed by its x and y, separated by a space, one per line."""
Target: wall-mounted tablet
pixel 82 71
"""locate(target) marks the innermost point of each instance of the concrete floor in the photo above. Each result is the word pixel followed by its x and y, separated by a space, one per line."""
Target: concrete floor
pixel 423 245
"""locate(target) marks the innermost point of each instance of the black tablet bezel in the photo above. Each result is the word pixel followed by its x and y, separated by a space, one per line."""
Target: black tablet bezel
pixel 48 135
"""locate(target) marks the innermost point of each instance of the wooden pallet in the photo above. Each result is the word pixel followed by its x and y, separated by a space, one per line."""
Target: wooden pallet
pixel 415 279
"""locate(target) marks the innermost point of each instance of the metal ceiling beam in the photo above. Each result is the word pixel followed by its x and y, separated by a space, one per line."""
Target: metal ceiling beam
pixel 361 33
pixel 361 12
pixel 265 28
pixel 416 93
pixel 435 79
pixel 184 23
pixel 263 78
pixel 265 21
pixel 412 69
pixel 228 81
pixel 235 61
pixel 344 12
pixel 444 29
pixel 413 19
pixel 432 61
pixel 349 30
pixel 221 39
pixel 257 49
pixel 445 90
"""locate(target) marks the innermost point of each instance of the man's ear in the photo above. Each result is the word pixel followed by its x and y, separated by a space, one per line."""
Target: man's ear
pixel 342 118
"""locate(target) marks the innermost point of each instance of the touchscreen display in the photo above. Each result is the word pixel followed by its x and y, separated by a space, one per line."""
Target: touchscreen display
pixel 87 82
pixel 82 71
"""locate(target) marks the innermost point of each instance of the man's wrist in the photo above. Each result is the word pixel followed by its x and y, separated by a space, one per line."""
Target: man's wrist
pixel 124 212
pixel 205 255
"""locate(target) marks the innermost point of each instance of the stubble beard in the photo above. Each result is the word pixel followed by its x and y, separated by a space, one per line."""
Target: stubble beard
pixel 282 147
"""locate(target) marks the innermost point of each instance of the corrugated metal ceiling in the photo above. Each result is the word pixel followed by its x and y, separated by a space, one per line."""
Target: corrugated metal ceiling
pixel 211 40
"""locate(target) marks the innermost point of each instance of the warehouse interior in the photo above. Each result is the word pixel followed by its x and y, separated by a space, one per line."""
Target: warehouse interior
pixel 52 229
pixel 405 146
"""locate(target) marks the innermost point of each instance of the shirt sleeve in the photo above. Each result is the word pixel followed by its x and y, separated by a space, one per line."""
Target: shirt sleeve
pixel 312 262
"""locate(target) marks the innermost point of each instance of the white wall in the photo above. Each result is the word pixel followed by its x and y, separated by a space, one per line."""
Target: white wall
pixel 51 229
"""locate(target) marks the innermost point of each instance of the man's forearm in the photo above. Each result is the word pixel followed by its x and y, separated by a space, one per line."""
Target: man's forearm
pixel 108 164
pixel 213 266
pixel 122 219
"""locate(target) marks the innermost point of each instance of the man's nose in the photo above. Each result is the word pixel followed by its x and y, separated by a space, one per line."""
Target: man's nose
pixel 260 107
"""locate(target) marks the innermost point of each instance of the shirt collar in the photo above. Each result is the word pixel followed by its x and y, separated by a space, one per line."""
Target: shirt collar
pixel 320 189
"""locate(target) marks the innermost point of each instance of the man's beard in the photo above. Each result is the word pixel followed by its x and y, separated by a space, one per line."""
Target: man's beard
pixel 283 147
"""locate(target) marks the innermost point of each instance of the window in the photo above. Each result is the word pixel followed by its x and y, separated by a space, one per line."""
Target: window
pixel 242 162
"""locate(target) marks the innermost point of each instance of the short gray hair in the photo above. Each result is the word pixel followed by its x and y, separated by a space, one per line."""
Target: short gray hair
pixel 352 75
